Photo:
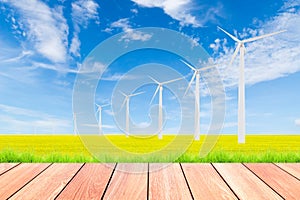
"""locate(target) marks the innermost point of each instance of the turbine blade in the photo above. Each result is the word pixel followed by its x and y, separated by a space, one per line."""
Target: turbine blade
pixel 190 66
pixel 154 80
pixel 231 36
pixel 262 36
pixel 155 93
pixel 235 53
pixel 171 81
pixel 123 93
pixel 135 94
pixel 190 83
pixel 105 105
pixel 207 67
pixel 124 102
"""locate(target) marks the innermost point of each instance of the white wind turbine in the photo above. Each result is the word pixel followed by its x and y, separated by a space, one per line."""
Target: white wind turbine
pixel 75 130
pixel 197 95
pixel 126 100
pixel 99 110
pixel 241 91
pixel 160 102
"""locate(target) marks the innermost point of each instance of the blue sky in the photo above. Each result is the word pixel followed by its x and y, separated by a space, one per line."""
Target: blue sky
pixel 44 43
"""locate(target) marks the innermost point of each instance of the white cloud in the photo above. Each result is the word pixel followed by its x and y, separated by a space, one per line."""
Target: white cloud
pixel 180 10
pixel 176 9
pixel 89 67
pixel 265 59
pixel 45 27
pixel 83 11
pixel 75 46
pixel 134 10
pixel 130 34
pixel 297 122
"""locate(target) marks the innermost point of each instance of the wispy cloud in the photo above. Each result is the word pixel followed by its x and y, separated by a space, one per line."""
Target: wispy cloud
pixel 45 28
pixel 297 122
pixel 19 120
pixel 83 12
pixel 130 33
pixel 265 59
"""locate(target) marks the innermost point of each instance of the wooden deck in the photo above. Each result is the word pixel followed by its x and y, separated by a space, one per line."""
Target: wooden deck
pixel 150 181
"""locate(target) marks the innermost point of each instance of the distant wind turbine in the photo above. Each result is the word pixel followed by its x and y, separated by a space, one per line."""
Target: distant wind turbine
pixel 126 100
pixel 241 93
pixel 99 110
pixel 160 102
pixel 197 95
pixel 75 131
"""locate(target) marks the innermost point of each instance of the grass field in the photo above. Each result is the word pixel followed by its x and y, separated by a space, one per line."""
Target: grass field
pixel 66 148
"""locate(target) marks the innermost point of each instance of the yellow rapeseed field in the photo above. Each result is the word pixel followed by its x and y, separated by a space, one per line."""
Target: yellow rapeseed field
pixel 119 148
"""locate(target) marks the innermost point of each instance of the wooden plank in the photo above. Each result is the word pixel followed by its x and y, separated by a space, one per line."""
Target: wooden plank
pixel 13 180
pixel 4 167
pixel 286 185
pixel 244 183
pixel 166 181
pixel 292 168
pixel 89 183
pixel 205 182
pixel 129 181
pixel 49 183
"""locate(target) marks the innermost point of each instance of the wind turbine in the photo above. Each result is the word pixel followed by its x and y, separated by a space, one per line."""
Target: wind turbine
pixel 160 89
pixel 75 131
pixel 241 92
pixel 126 100
pixel 197 95
pixel 99 110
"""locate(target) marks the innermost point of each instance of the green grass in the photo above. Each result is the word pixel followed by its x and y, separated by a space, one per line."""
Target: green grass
pixel 48 148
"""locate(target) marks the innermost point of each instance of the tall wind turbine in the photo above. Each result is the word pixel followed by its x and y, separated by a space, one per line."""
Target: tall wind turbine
pixel 160 89
pixel 75 131
pixel 241 93
pixel 99 110
pixel 126 100
pixel 197 95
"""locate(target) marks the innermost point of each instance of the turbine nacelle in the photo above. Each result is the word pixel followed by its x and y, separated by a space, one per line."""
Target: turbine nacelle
pixel 161 84
pixel 240 43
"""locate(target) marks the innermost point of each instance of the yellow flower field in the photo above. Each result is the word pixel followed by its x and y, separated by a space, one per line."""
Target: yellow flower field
pixel 118 148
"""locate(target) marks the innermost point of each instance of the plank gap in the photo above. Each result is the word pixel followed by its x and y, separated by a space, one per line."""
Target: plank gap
pixel 69 181
pixel 286 171
pixel 148 169
pixel 10 168
pixel 263 181
pixel 224 181
pixel 109 180
pixel 186 181
pixel 29 180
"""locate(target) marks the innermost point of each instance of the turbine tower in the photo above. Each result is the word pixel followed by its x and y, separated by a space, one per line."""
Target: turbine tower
pixel 99 110
pixel 241 91
pixel 75 131
pixel 126 100
pixel 160 89
pixel 197 95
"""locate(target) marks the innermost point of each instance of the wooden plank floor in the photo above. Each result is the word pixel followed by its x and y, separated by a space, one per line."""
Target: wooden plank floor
pixel 149 181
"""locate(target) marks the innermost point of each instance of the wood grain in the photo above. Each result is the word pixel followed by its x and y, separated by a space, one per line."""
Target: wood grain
pixel 205 182
pixel 166 181
pixel 49 183
pixel 244 183
pixel 6 166
pixel 16 178
pixel 292 168
pixel 89 183
pixel 129 181
pixel 286 185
